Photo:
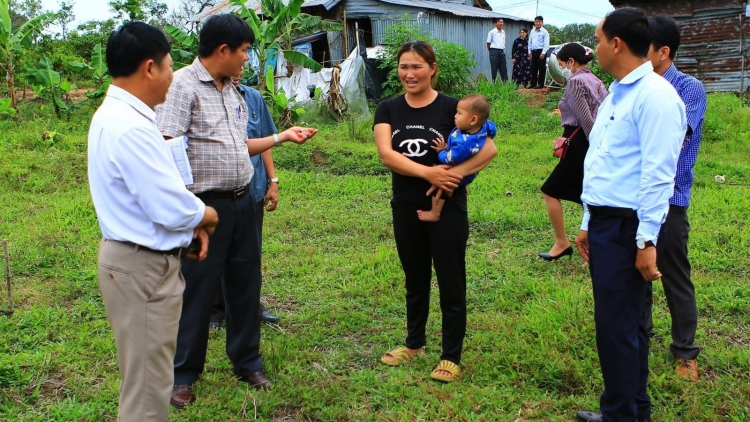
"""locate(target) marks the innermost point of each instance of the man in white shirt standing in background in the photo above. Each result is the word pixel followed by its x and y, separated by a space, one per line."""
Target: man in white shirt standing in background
pixel 496 48
pixel 147 217
pixel 538 46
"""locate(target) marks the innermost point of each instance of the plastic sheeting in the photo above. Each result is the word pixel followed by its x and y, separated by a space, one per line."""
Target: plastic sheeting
pixel 297 86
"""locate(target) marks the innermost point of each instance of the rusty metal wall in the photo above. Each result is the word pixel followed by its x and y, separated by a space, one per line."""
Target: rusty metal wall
pixel 715 44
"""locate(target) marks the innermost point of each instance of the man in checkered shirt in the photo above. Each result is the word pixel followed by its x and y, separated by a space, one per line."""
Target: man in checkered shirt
pixel 673 261
pixel 203 105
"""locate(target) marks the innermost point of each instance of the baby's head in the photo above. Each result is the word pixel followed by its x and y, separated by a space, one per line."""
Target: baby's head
pixel 473 110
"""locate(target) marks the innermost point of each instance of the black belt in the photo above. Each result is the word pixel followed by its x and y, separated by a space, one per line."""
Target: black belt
pixel 598 211
pixel 224 194
pixel 172 252
pixel 501 49
pixel 537 49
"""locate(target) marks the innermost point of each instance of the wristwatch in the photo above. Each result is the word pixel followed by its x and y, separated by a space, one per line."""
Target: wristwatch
pixel 643 244
pixel 274 180
pixel 276 140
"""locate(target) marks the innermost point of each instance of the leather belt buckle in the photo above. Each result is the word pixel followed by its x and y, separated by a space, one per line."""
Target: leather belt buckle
pixel 239 193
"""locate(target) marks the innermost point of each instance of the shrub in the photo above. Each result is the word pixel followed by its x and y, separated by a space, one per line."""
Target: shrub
pixel 454 61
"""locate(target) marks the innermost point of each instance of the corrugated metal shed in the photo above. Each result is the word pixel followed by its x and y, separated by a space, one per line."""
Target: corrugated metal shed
pixel 455 22
pixel 715 42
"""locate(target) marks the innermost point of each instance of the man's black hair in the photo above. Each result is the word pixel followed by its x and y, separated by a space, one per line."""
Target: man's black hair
pixel 539 18
pixel 131 44
pixel 498 19
pixel 223 29
pixel 630 24
pixel 665 33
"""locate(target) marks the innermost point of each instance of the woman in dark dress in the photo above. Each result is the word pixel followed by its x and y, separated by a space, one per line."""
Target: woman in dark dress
pixel 404 128
pixel 521 61
pixel 583 94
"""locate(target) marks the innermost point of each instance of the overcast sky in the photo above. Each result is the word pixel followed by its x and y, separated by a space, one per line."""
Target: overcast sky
pixel 555 12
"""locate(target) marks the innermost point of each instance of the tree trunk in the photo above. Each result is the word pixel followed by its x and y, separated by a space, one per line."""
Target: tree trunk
pixel 11 84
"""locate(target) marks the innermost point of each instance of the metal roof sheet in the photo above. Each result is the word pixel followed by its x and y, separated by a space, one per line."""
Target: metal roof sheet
pixel 226 7
pixel 454 8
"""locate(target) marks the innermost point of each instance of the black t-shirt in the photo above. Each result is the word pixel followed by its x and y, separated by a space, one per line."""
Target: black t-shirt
pixel 412 132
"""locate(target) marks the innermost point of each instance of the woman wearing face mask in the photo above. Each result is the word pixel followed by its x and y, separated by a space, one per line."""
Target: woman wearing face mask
pixel 583 94
pixel 521 61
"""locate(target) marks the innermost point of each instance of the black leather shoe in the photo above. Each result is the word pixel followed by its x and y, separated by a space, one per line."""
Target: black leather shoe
pixel 584 416
pixel 266 317
pixel 547 257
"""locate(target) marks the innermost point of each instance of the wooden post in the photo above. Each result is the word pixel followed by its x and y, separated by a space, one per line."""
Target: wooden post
pixel 356 33
pixel 7 280
pixel 346 39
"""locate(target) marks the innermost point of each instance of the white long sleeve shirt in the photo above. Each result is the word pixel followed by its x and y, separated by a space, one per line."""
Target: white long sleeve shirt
pixel 136 188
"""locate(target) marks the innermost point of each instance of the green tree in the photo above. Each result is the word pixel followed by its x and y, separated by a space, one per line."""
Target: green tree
pixel 274 33
pixel 65 16
pixel 14 41
pixel 21 11
pixel 150 11
pixel 182 15
pixel 574 32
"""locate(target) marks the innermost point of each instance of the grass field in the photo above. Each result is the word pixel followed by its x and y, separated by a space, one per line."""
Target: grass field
pixel 332 274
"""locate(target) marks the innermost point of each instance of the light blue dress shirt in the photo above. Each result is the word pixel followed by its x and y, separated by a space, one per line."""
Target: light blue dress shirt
pixel 539 39
pixel 634 147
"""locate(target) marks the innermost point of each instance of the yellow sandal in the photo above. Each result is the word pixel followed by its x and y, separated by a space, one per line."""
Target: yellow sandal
pixel 448 366
pixel 398 356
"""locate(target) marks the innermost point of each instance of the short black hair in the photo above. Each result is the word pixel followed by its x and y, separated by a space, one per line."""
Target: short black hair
pixel 132 44
pixel 575 51
pixel 498 19
pixel 665 32
pixel 630 24
pixel 223 29
pixel 539 18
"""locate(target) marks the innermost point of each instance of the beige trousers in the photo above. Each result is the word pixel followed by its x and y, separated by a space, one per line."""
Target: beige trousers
pixel 142 293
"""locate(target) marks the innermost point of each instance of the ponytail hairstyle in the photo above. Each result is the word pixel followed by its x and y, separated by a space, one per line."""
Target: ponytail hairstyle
pixel 577 52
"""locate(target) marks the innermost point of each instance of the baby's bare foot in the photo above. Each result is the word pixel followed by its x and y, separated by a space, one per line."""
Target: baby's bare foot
pixel 428 216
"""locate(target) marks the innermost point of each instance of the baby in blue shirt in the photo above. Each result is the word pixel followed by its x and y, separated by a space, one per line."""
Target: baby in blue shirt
pixel 466 139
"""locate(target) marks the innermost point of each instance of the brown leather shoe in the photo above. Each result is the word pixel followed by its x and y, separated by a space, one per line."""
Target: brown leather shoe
pixel 181 395
pixel 258 380
pixel 687 368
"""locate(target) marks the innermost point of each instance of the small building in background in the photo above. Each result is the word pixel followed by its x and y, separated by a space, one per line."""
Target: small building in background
pixel 463 22
pixel 715 42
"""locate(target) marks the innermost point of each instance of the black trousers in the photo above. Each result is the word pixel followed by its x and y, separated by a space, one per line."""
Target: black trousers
pixel 218 309
pixel 442 244
pixel 498 62
pixel 621 340
pixel 233 261
pixel 538 68
pixel 678 288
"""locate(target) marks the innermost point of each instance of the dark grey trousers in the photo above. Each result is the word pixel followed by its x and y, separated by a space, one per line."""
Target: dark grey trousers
pixel 678 288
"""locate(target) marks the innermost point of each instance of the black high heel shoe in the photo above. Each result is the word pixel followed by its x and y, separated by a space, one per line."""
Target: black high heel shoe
pixel 547 257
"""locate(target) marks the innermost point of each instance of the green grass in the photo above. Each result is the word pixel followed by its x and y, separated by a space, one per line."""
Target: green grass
pixel 331 272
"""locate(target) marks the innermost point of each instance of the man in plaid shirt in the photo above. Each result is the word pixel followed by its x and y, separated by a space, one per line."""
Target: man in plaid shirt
pixel 203 105
pixel 673 261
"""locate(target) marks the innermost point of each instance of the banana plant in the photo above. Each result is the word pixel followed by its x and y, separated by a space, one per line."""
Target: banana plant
pixel 279 101
pixel 5 107
pixel 188 46
pixel 13 42
pixel 48 84
pixel 274 34
pixel 98 70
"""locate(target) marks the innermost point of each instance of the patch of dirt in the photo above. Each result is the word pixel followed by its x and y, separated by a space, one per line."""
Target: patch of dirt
pixel 319 158
pixel 534 97
pixel 74 94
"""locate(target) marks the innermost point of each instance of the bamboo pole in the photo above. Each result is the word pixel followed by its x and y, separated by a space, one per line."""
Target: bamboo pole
pixel 7 279
pixel 346 38
pixel 356 32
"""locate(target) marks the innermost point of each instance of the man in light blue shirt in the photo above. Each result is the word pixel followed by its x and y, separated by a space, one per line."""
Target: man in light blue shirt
pixel 628 179
pixel 538 46
pixel 673 260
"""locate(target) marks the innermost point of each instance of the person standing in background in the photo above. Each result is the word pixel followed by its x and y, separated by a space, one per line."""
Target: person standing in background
pixel 673 261
pixel 538 46
pixel 496 49
pixel 520 58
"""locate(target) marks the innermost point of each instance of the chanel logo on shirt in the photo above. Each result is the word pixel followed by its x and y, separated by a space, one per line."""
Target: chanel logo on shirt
pixel 413 147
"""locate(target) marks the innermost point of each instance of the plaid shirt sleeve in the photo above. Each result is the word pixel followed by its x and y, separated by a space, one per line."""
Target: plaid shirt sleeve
pixel 694 96
pixel 174 116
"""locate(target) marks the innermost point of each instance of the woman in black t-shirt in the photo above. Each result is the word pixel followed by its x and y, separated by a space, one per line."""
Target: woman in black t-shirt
pixel 404 129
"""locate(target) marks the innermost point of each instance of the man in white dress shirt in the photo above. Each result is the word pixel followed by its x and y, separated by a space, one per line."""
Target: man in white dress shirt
pixel 147 217
pixel 496 48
